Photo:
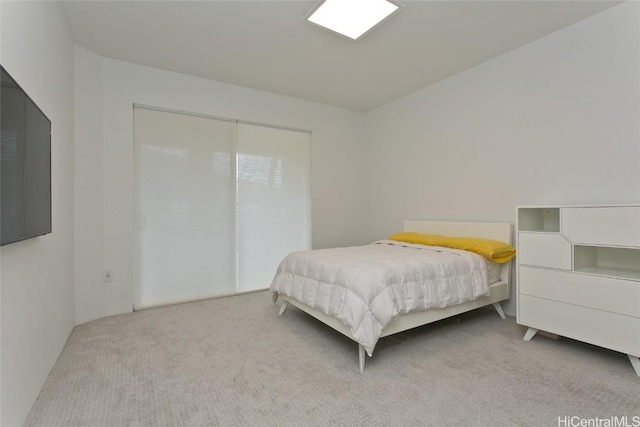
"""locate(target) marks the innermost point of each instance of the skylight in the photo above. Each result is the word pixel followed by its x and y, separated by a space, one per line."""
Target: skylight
pixel 352 18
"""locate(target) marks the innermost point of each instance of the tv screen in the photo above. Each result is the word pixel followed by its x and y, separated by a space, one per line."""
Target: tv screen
pixel 25 165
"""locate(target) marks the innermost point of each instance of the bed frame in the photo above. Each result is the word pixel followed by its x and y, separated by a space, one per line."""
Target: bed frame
pixel 499 290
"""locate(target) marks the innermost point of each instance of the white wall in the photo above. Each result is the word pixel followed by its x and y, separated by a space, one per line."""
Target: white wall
pixel 556 121
pixel 105 91
pixel 37 309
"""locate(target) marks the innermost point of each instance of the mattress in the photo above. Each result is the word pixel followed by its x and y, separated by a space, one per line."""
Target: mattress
pixel 368 286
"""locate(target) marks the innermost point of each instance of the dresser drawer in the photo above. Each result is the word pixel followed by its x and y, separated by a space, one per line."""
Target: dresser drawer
pixel 602 328
pixel 603 293
pixel 544 250
pixel 614 226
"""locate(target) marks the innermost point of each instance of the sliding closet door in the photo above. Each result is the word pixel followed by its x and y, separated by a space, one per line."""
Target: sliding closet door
pixel 274 202
pixel 184 207
pixel 218 204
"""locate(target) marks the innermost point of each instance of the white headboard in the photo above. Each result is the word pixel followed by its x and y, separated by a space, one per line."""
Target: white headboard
pixel 488 230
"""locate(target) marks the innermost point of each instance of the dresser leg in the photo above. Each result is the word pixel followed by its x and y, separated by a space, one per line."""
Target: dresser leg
pixel 530 333
pixel 635 362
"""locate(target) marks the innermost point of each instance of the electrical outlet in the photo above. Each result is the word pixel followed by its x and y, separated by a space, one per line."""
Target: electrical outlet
pixel 107 277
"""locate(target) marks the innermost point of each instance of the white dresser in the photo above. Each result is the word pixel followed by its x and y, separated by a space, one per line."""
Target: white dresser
pixel 578 274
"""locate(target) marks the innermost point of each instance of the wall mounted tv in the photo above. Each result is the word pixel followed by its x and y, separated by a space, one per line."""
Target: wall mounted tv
pixel 25 165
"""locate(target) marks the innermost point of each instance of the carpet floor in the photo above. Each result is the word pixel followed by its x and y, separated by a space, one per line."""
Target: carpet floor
pixel 234 362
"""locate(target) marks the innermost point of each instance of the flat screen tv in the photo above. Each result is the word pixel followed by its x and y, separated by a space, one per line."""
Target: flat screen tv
pixel 25 165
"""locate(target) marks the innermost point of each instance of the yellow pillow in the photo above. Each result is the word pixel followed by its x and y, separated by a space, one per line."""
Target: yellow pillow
pixel 493 250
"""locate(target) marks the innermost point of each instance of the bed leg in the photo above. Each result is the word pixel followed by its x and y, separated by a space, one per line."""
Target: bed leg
pixel 635 362
pixel 530 333
pixel 283 307
pixel 361 357
pixel 499 309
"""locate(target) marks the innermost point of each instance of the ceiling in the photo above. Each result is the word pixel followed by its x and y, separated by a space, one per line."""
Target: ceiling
pixel 267 45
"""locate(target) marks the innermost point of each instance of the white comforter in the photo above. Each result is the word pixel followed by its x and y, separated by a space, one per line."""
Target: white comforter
pixel 368 286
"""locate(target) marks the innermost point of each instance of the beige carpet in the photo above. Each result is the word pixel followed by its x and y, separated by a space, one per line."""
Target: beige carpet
pixel 234 362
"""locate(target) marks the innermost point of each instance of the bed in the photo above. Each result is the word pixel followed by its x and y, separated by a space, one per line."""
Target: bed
pixel 335 308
